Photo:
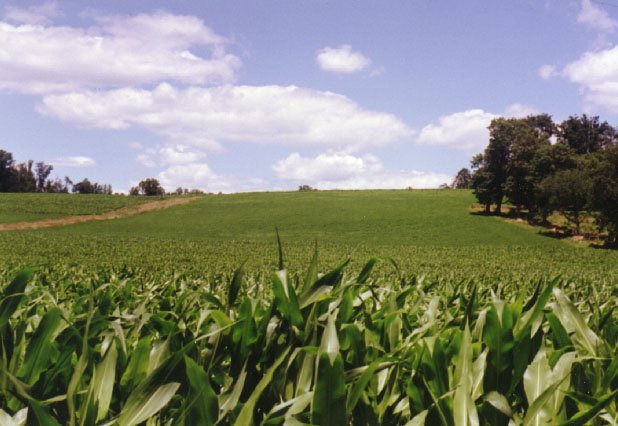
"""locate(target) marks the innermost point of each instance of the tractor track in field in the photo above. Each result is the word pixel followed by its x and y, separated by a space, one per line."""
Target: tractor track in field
pixel 113 214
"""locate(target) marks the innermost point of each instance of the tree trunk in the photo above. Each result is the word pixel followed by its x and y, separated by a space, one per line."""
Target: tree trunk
pixel 487 207
pixel 498 210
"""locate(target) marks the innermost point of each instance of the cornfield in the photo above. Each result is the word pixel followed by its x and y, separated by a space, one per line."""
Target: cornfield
pixel 123 348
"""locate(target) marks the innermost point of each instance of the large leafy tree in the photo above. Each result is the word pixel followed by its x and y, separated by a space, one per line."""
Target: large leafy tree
pixel 151 187
pixel 605 194
pixel 462 180
pixel 586 134
pixel 570 192
pixel 528 137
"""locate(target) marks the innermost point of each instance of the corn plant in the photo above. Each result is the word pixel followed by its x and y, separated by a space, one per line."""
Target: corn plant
pixel 121 347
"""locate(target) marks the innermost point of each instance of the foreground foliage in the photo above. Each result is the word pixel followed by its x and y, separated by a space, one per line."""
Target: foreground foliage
pixel 122 348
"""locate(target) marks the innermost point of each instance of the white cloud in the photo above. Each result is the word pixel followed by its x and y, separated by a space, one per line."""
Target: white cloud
pixel 467 130
pixel 596 18
pixel 200 176
pixel 74 161
pixel 170 155
pixel 597 74
pixel 206 117
pixel 343 171
pixel 548 71
pixel 517 110
pixel 330 167
pixel 33 15
pixel 118 51
pixel 341 59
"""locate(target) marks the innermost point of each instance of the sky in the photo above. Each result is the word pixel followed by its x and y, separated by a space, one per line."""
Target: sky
pixel 235 96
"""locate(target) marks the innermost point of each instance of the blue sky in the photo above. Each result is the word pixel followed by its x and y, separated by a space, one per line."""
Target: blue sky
pixel 267 95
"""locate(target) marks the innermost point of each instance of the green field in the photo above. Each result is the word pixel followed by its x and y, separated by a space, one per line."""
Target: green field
pixel 426 232
pixel 442 317
pixel 30 207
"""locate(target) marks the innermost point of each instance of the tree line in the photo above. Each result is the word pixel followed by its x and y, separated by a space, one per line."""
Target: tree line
pixel 34 177
pixel 540 167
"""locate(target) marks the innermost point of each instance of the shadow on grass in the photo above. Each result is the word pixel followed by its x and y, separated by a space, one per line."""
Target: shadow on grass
pixel 547 229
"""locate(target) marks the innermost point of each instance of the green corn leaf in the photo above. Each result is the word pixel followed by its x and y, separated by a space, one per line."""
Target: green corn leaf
pixel 364 275
pixel 328 407
pixel 103 380
pixel 137 369
pixel 13 294
pixel 235 285
pixel 144 406
pixel 573 322
pixel 583 417
pixel 246 414
pixel 312 272
pixel 42 414
pixel 464 410
pixel 40 348
pixel 329 398
pixel 202 407
pixel 98 398
pixel 360 385
pixel 499 402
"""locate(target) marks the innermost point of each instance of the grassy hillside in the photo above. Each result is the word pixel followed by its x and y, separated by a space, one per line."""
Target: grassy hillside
pixel 429 232
pixel 31 207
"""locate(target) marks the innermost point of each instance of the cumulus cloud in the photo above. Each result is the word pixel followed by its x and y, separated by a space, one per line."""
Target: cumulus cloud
pixel 517 110
pixel 343 171
pixel 201 176
pixel 116 51
pixel 73 161
pixel 172 154
pixel 595 18
pixel 467 130
pixel 341 59
pixel 548 71
pixel 329 167
pixel 597 74
pixel 206 117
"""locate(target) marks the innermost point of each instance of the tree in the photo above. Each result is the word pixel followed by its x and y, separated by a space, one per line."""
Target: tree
pixel 306 188
pixel 492 171
pixel 570 192
pixel 529 136
pixel 480 182
pixel 605 194
pixel 24 180
pixel 462 180
pixel 151 187
pixel 586 134
pixel 7 173
pixel 42 173
pixel 84 187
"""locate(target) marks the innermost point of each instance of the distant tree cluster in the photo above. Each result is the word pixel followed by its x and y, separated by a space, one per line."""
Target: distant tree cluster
pixel 152 187
pixel 34 177
pixel 306 188
pixel 541 167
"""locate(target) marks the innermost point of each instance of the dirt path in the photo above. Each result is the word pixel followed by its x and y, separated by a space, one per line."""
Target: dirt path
pixel 114 214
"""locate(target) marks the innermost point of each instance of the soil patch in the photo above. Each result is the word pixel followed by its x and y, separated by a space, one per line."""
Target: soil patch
pixel 114 214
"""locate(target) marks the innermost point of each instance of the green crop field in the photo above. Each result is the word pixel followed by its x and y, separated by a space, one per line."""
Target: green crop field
pixel 441 317
pixel 31 207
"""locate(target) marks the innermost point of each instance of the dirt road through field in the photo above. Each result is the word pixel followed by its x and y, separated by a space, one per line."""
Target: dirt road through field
pixel 114 214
